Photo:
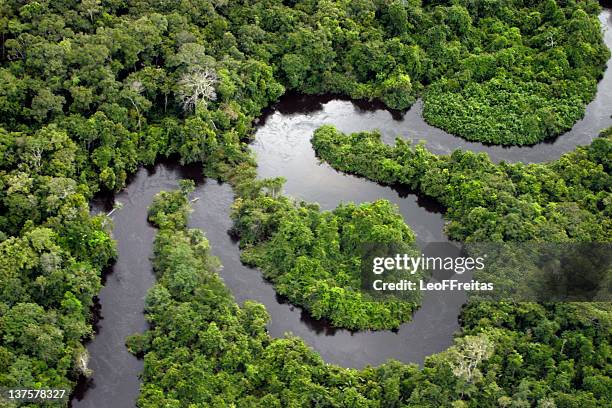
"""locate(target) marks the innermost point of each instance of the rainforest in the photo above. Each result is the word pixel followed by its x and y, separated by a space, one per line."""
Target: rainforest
pixel 186 185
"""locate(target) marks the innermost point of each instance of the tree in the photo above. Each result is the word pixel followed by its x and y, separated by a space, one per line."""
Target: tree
pixel 198 85
pixel 465 357
pixel 396 91
pixel 91 8
pixel 133 92
pixel 46 103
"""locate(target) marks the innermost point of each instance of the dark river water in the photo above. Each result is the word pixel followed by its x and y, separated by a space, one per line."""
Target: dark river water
pixel 282 146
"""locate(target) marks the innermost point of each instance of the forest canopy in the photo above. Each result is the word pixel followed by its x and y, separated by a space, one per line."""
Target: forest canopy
pixel 314 258
pixel 129 81
pixel 90 90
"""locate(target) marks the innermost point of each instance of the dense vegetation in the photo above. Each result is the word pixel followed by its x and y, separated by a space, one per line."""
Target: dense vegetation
pixel 204 349
pixel 314 258
pixel 123 78
pixel 52 253
pixel 525 75
pixel 90 90
pixel 567 199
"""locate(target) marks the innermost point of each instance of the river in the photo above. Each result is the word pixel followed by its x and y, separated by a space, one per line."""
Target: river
pixel 282 146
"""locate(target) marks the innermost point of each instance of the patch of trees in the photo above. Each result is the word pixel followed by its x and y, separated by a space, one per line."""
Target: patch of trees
pixel 525 76
pixel 131 81
pixel 315 258
pixel 203 348
pixel 568 199
pixel 52 253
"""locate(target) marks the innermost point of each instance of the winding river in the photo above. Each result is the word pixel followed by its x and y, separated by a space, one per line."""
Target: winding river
pixel 282 146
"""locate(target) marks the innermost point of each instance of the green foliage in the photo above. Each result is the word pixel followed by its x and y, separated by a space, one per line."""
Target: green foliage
pixel 524 76
pixel 52 253
pixel 90 91
pixel 314 258
pixel 567 199
pixel 204 349
pixel 396 91
pixel 170 210
pixel 48 278
pixel 115 75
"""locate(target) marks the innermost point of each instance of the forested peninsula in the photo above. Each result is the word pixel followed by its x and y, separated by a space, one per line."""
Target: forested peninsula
pixel 568 199
pixel 91 90
pixel 314 258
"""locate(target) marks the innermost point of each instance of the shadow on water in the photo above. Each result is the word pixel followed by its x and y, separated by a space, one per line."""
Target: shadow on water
pixel 283 149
